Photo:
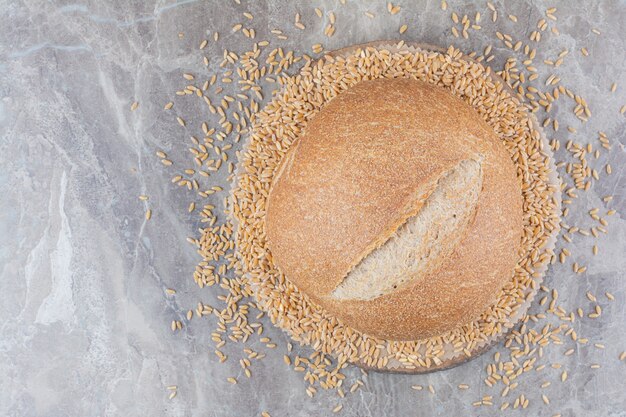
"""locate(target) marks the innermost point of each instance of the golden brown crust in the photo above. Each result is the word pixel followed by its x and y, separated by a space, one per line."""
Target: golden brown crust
pixel 351 180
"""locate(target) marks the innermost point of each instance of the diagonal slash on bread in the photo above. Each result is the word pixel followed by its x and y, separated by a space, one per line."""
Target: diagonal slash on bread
pixel 419 246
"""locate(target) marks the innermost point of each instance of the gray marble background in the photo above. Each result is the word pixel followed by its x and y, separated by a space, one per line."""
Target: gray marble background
pixel 84 317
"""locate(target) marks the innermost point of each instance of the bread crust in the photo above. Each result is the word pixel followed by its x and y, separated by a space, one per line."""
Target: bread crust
pixel 365 163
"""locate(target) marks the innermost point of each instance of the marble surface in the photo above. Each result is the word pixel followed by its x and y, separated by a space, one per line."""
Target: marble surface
pixel 84 316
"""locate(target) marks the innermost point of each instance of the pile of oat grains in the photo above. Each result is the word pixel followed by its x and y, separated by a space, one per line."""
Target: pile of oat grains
pixel 234 95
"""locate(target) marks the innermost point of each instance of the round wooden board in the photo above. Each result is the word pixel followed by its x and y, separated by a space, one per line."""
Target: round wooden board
pixel 461 358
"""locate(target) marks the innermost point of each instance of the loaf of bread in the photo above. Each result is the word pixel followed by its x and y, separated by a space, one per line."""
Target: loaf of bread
pixel 398 210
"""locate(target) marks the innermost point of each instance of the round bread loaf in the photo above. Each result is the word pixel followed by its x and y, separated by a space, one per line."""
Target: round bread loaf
pixel 398 210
